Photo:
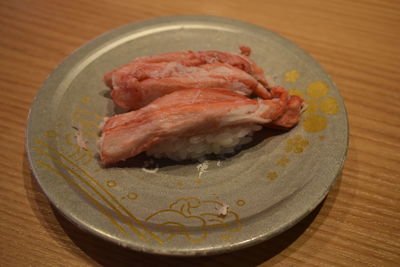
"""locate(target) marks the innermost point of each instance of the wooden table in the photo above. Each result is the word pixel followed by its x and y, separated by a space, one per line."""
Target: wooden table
pixel 357 42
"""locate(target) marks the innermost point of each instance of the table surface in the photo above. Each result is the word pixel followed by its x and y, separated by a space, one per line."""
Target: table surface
pixel 357 42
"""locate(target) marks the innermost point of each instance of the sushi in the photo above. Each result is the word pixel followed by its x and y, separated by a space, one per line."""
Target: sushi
pixel 143 80
pixel 191 123
pixel 185 105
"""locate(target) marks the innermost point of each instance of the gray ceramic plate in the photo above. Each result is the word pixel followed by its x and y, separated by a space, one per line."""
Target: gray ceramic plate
pixel 269 185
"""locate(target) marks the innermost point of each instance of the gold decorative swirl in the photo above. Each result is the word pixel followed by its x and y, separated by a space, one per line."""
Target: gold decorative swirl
pixel 189 212
pixel 93 180
pixel 86 194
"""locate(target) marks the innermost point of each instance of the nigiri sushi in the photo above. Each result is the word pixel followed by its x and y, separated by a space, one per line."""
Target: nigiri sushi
pixel 138 83
pixel 191 123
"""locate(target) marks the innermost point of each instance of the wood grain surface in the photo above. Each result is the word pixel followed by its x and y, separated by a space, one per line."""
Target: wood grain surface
pixel 357 42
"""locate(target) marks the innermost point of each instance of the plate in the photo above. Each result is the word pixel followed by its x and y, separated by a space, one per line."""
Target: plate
pixel 174 209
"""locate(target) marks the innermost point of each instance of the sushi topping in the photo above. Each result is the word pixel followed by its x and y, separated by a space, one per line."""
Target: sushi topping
pixel 145 79
pixel 185 105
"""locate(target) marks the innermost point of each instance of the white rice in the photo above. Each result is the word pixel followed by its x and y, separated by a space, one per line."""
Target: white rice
pixel 223 142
